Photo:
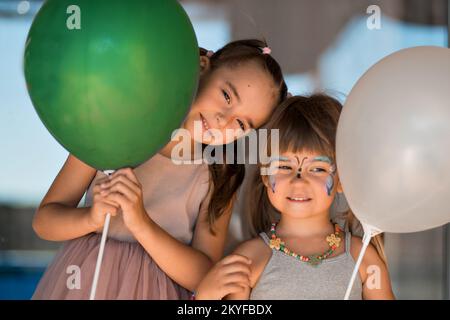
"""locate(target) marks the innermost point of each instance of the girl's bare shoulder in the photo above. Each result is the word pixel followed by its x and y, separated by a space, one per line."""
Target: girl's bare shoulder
pixel 259 252
pixel 371 254
pixel 252 248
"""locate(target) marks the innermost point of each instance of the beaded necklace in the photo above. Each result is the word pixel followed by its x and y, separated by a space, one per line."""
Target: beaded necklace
pixel 334 241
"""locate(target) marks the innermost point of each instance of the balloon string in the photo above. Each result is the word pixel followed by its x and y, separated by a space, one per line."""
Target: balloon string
pixel 100 257
pixel 102 249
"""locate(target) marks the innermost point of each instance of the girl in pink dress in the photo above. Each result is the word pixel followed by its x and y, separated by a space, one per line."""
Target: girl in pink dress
pixel 169 221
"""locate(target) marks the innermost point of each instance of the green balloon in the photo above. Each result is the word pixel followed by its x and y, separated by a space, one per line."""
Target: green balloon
pixel 111 79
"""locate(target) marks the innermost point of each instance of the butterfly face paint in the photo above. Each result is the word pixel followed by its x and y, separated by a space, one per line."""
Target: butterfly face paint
pixel 272 182
pixel 273 170
pixel 329 184
pixel 299 171
pixel 320 169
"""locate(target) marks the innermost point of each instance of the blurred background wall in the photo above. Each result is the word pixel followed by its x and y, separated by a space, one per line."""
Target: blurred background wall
pixel 322 45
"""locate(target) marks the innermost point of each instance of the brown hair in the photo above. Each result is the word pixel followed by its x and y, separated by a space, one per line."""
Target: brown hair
pixel 304 124
pixel 226 178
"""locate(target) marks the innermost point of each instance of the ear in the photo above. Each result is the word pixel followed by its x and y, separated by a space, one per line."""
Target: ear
pixel 204 64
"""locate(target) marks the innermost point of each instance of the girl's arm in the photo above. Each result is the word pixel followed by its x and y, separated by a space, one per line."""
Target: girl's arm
pixel 231 275
pixel 57 217
pixel 185 264
pixel 259 254
pixel 373 273
pixel 235 275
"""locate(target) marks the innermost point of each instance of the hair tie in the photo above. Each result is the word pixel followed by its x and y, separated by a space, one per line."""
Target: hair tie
pixel 266 50
pixel 209 53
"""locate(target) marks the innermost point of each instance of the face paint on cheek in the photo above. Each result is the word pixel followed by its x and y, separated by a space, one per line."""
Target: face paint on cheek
pixel 329 184
pixel 272 182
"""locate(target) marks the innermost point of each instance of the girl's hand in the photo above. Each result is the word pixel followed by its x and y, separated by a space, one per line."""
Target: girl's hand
pixel 229 275
pixel 125 189
pixel 101 206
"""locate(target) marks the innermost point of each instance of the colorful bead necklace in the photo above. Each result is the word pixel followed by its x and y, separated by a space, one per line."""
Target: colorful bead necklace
pixel 334 241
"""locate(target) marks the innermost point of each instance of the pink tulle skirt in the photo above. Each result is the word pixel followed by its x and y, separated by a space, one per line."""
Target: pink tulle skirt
pixel 128 272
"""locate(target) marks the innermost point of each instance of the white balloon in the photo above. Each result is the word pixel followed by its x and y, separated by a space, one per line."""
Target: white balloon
pixel 393 142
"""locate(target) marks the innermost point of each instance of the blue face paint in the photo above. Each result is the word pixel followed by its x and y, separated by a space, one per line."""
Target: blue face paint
pixel 272 182
pixel 278 158
pixel 329 184
pixel 323 159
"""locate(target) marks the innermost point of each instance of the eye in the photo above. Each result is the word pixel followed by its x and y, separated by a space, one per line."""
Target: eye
pixel 241 124
pixel 226 96
pixel 318 170
pixel 284 168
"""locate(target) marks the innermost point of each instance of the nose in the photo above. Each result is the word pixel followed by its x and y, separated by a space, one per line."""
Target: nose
pixel 221 120
pixel 299 177
pixel 225 119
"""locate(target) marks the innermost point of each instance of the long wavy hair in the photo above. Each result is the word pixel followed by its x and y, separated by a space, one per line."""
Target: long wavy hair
pixel 227 178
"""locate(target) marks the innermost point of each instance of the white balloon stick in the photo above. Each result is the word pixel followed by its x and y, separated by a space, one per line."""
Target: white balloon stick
pixel 369 232
pixel 102 248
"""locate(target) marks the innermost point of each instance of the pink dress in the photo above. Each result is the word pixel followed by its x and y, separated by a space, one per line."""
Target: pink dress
pixel 173 197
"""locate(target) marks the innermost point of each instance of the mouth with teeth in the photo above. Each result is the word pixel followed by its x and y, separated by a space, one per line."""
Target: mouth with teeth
pixel 299 199
pixel 204 122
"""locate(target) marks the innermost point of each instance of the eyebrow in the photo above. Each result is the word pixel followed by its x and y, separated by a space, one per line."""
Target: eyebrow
pixel 323 159
pixel 284 159
pixel 233 88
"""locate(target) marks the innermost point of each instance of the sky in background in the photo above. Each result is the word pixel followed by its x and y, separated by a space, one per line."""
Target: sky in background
pixel 30 158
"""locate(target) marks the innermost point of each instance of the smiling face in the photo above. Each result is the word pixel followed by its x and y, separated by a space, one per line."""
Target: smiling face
pixel 237 98
pixel 302 184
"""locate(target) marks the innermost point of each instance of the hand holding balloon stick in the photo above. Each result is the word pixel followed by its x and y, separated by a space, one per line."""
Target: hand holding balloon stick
pixel 98 265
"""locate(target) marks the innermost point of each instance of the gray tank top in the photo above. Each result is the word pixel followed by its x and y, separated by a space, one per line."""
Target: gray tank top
pixel 286 278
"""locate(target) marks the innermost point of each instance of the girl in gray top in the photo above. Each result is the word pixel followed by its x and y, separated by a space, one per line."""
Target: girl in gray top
pixel 303 254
